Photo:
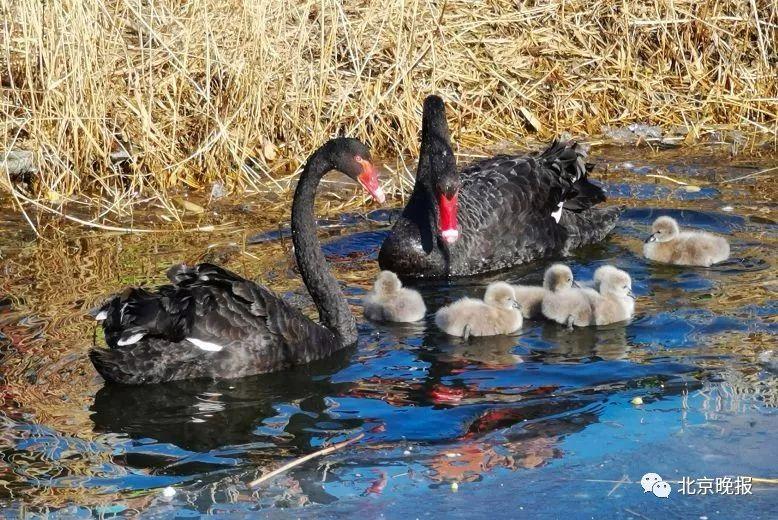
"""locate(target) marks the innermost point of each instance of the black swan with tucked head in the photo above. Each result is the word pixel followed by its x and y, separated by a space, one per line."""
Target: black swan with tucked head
pixel 210 322
pixel 495 213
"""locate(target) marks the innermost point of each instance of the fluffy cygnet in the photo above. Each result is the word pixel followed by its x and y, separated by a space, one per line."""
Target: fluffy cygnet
pixel 390 301
pixel 530 298
pixel 584 306
pixel 601 273
pixel 616 301
pixel 670 245
pixel 496 314
pixel 571 307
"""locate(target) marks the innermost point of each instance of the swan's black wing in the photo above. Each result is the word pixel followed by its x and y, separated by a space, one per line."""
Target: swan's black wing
pixel 510 207
pixel 584 194
pixel 209 322
pixel 532 184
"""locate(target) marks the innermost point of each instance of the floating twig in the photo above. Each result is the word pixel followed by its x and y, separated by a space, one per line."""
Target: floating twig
pixel 618 484
pixel 760 480
pixel 302 460
pixel 658 176
pixel 750 175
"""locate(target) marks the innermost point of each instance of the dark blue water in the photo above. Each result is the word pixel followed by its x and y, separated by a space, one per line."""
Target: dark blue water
pixel 540 424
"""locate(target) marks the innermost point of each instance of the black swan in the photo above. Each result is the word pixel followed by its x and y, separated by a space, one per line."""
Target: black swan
pixel 212 323
pixel 495 213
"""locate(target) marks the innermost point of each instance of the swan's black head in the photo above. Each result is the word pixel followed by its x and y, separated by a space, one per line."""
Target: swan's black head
pixel 438 166
pixel 351 157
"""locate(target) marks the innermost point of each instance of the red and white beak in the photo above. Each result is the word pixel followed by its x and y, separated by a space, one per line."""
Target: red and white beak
pixel 369 180
pixel 449 228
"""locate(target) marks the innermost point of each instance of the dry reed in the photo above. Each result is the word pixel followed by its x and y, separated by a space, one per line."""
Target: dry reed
pixel 125 99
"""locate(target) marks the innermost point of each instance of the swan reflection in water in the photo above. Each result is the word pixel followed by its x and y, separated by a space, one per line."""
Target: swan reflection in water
pixel 188 427
pixel 607 343
pixel 257 412
pixel 534 446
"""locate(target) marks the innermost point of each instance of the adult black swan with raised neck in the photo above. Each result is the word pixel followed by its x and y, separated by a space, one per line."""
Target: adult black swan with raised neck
pixel 211 323
pixel 495 213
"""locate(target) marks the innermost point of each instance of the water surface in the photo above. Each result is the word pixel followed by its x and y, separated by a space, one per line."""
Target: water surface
pixel 538 424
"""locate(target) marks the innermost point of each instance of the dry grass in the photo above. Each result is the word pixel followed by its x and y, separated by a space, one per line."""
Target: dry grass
pixel 241 92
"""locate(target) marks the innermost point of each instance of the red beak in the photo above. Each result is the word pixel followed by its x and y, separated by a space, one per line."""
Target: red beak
pixel 449 229
pixel 369 180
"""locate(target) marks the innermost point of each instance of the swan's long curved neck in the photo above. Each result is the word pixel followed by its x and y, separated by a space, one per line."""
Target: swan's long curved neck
pixel 334 312
pixel 437 166
pixel 422 207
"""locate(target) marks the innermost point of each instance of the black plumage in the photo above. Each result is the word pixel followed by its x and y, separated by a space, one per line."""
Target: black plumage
pixel 506 208
pixel 210 322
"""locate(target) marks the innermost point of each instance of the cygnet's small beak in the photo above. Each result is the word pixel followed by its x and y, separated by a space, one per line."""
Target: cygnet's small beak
pixel 631 294
pixel 515 304
pixel 651 238
pixel 575 284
